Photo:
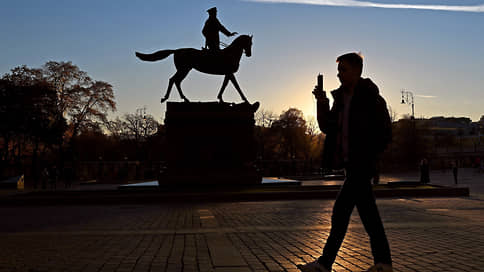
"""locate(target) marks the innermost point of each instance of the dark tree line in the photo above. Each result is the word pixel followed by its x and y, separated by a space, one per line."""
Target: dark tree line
pixel 29 121
pixel 43 110
pixel 288 136
pixel 57 114
pixel 288 144
pixel 133 136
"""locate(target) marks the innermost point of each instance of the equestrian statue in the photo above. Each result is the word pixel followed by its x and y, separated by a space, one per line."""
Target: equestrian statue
pixel 209 60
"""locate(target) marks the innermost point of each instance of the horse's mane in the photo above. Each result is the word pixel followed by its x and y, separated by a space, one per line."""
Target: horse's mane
pixel 238 40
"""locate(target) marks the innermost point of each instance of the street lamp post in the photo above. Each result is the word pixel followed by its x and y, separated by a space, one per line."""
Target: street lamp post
pixel 407 98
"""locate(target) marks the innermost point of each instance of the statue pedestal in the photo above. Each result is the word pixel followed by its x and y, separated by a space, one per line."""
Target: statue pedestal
pixel 210 143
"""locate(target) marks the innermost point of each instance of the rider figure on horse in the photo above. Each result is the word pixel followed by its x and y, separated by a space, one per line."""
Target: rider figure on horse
pixel 210 31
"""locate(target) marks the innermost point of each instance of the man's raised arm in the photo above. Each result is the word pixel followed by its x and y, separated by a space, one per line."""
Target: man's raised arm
pixel 224 30
pixel 326 124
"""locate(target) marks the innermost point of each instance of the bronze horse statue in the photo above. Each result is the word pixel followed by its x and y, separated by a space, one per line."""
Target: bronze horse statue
pixel 223 62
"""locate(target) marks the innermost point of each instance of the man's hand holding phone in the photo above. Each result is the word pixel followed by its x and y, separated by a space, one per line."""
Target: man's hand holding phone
pixel 319 94
pixel 318 91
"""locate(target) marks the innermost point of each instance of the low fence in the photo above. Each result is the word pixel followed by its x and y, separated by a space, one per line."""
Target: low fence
pixel 118 171
pixel 124 171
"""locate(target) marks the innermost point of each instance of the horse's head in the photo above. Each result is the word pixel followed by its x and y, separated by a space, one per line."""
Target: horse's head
pixel 248 45
pixel 243 42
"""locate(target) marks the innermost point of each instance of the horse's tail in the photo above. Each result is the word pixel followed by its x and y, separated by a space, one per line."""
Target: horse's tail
pixel 159 55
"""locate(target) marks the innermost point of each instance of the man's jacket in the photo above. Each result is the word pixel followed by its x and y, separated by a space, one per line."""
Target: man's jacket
pixel 369 127
pixel 210 31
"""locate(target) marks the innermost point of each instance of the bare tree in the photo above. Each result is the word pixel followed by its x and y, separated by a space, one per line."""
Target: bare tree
pixel 80 99
pixel 292 128
pixel 90 104
pixel 393 114
pixel 312 127
pixel 265 118
pixel 115 127
pixel 24 76
pixel 67 80
pixel 140 125
pixel 136 126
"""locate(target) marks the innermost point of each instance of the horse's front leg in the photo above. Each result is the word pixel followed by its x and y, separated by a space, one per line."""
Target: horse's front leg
pixel 236 85
pixel 178 77
pixel 224 85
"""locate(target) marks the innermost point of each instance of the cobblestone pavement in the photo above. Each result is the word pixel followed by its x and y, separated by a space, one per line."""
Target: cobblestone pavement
pixel 440 234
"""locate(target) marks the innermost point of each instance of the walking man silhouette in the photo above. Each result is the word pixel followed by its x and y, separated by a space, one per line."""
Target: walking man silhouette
pixel 357 128
pixel 211 28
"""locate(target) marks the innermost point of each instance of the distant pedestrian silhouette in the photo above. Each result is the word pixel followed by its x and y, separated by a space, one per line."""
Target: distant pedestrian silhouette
pixel 424 171
pixel 53 177
pixel 45 178
pixel 358 129
pixel 455 169
pixel 211 29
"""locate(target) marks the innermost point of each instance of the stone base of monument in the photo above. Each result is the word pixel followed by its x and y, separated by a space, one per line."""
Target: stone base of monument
pixel 210 143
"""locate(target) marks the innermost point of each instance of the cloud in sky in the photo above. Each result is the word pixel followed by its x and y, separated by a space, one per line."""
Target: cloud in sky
pixel 355 3
pixel 426 96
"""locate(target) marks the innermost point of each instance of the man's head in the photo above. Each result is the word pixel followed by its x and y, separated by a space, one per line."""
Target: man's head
pixel 212 11
pixel 350 67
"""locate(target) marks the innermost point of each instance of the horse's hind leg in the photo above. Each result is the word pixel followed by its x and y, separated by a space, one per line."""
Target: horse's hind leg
pixel 178 78
pixel 170 85
pixel 224 84
pixel 236 85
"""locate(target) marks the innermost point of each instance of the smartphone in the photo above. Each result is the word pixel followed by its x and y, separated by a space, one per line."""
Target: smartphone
pixel 318 89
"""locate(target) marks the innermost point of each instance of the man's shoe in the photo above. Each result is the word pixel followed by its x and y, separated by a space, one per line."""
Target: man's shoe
pixel 312 267
pixel 380 267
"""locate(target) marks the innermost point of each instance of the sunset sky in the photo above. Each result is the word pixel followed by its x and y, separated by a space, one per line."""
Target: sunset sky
pixel 432 48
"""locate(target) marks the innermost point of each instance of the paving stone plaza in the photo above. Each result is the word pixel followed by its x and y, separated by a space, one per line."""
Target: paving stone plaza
pixel 425 234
